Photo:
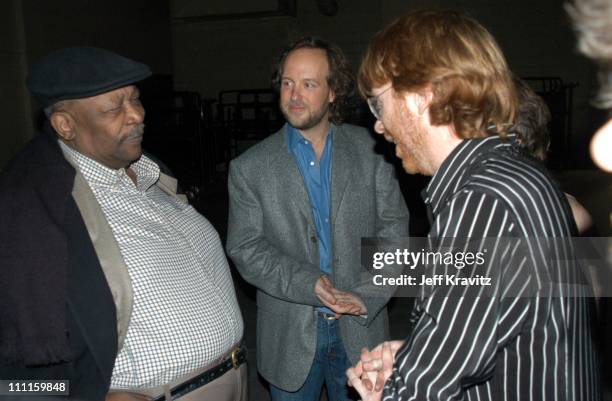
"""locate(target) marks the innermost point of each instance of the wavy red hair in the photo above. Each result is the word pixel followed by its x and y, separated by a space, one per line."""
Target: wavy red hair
pixel 453 56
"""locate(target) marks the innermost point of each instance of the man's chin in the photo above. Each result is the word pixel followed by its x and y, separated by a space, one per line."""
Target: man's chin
pixel 138 155
pixel 302 122
pixel 409 166
pixel 135 155
pixel 299 123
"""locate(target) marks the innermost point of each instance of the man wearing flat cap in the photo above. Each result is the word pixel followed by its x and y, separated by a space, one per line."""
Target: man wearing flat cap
pixel 110 280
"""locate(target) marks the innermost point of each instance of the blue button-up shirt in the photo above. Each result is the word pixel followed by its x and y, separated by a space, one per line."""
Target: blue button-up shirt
pixel 317 179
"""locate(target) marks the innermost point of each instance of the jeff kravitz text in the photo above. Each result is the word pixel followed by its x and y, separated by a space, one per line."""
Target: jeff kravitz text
pixel 438 279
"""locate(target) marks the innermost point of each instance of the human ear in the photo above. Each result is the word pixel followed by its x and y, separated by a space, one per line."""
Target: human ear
pixel 379 128
pixel 332 96
pixel 415 103
pixel 63 123
pixel 423 100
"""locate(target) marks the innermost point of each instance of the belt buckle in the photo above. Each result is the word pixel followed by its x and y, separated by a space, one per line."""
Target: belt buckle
pixel 234 357
pixel 327 316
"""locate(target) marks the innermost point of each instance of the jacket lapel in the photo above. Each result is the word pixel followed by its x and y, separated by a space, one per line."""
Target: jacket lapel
pixel 341 169
pixel 290 179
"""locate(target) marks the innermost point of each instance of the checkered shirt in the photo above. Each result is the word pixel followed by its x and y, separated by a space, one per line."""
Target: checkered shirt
pixel 185 313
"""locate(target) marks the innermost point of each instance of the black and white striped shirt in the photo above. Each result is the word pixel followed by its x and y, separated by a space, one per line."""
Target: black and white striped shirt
pixel 522 342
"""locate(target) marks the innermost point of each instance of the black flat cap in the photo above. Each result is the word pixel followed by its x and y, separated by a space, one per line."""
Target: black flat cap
pixel 78 72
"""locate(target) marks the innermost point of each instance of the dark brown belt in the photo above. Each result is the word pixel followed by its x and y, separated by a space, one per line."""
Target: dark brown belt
pixel 236 358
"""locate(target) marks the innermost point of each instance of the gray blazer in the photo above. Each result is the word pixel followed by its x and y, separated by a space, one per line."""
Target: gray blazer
pixel 272 239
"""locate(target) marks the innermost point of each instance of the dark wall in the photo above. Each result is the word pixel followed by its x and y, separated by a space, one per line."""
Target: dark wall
pixel 139 29
pixel 15 120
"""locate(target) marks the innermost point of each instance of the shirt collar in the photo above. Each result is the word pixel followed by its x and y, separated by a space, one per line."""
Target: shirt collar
pixel 295 137
pixel 97 174
pixel 448 178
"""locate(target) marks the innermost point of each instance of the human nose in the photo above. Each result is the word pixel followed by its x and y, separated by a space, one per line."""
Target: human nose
pixel 379 127
pixel 136 113
pixel 295 93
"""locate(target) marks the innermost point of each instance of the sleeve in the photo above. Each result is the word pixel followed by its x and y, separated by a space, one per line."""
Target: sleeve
pixel 391 222
pixel 257 260
pixel 460 328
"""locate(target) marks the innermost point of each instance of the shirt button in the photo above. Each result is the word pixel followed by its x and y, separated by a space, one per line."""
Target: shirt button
pixel 312 163
pixel 327 220
pixel 306 142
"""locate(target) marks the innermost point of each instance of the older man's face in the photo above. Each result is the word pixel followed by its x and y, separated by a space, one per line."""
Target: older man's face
pixel 109 127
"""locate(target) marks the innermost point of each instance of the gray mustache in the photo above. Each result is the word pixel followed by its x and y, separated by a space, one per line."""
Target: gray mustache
pixel 136 132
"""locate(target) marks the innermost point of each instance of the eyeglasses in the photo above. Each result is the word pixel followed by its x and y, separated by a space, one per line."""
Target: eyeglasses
pixel 375 105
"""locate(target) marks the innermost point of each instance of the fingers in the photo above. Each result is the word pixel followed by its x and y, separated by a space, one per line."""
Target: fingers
pixel 358 369
pixel 387 357
pixel 327 299
pixel 341 308
pixel 323 291
pixel 366 373
pixel 366 358
pixel 345 308
pixel 375 366
pixel 340 302
pixel 358 381
pixel 354 380
pixel 371 364
pixel 365 377
pixel 343 305
pixel 327 282
pixel 346 296
pixel 379 381
pixel 387 366
pixel 349 302
pixel 395 345
pixel 371 381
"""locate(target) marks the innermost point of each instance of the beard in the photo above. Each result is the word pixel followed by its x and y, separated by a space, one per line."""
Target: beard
pixel 307 119
pixel 410 144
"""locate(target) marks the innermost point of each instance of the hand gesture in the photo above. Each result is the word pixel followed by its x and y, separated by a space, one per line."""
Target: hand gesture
pixel 373 369
pixel 341 302
pixel 348 303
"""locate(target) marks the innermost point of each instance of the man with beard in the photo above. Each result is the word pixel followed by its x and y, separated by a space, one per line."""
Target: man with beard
pixel 109 278
pixel 441 90
pixel 300 202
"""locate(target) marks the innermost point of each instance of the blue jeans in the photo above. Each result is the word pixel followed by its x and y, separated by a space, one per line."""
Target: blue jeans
pixel 329 367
